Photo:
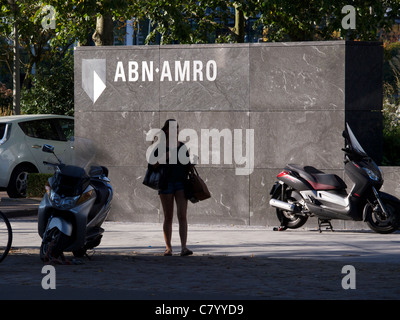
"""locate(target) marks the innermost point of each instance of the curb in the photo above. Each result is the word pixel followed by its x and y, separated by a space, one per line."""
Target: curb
pixel 21 207
pixel 17 201
pixel 19 213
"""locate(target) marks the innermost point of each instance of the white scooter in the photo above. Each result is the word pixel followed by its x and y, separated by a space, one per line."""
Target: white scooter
pixel 73 209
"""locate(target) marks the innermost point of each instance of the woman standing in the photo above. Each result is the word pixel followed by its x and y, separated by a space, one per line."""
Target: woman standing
pixel 172 188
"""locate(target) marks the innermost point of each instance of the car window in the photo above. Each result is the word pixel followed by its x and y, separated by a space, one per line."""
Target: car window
pixel 2 129
pixel 41 129
pixel 67 128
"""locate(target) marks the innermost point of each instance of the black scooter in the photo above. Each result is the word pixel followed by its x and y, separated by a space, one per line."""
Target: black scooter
pixel 304 191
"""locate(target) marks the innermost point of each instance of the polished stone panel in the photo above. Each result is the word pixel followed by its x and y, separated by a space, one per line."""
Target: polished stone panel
pixel 391 176
pixel 133 201
pixel 193 90
pixel 297 76
pixel 261 182
pixel 229 202
pixel 311 137
pixel 120 137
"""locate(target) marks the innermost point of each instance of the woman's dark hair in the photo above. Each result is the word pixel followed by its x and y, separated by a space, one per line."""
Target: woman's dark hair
pixel 166 125
pixel 164 129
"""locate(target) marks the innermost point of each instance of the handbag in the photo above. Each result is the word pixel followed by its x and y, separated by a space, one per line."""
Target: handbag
pixel 195 188
pixel 152 178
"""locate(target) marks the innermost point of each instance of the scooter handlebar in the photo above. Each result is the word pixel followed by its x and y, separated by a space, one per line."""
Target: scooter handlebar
pixel 50 164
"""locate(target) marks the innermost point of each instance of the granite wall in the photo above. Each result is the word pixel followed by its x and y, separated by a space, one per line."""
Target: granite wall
pixel 295 96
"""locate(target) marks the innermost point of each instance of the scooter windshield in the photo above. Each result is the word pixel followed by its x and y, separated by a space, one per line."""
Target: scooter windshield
pixel 70 181
pixel 355 145
pixel 85 153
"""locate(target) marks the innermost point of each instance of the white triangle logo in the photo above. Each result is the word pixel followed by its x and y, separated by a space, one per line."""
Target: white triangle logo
pixel 98 86
pixel 94 77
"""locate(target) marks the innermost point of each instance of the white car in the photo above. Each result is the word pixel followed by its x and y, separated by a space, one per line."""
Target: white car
pixel 21 141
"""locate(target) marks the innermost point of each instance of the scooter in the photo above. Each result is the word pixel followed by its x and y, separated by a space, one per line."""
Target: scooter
pixel 73 209
pixel 304 191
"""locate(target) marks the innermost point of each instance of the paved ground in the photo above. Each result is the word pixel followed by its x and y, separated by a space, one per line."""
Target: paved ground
pixel 229 262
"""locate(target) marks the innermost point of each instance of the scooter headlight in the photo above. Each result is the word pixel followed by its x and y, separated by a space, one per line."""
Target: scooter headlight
pixel 55 198
pixel 68 202
pixel 63 203
pixel 372 175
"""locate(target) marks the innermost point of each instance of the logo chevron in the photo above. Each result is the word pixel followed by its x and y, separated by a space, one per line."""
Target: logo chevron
pixel 94 77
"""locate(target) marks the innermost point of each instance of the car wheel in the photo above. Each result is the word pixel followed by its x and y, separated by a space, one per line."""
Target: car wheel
pixel 17 185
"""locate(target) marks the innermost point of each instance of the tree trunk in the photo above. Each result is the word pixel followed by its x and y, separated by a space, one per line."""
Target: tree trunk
pixel 104 33
pixel 16 73
pixel 239 24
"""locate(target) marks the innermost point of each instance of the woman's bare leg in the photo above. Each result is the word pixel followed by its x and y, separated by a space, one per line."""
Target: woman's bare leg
pixel 181 208
pixel 167 201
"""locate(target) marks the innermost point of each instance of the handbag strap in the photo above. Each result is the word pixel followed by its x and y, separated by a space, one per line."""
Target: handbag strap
pixel 194 170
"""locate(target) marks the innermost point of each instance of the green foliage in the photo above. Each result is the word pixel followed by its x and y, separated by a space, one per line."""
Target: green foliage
pixel 185 21
pixel 5 100
pixel 391 124
pixel 391 147
pixel 392 50
pixel 391 65
pixel 52 90
pixel 33 39
pixel 36 184
pixel 391 105
pixel 302 20
pixel 193 21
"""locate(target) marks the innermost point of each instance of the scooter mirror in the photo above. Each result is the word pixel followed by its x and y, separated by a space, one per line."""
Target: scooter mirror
pixel 48 148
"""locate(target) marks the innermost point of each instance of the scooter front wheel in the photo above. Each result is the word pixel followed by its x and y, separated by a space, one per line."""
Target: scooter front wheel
pixel 377 220
pixel 80 253
pixel 53 244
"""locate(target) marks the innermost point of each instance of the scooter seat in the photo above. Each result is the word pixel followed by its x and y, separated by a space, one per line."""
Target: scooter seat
pixel 319 180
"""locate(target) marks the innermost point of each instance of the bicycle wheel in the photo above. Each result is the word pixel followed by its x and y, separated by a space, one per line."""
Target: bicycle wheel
pixel 5 236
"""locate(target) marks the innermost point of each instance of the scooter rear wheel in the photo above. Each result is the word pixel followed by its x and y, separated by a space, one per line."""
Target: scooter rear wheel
pixel 289 219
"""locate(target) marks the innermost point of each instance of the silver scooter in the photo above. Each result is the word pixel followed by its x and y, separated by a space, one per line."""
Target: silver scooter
pixel 73 209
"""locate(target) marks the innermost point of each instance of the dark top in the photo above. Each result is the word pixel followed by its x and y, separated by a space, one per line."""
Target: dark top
pixel 177 172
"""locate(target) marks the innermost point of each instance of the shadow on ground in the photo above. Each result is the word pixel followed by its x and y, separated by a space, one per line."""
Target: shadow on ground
pixel 125 274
